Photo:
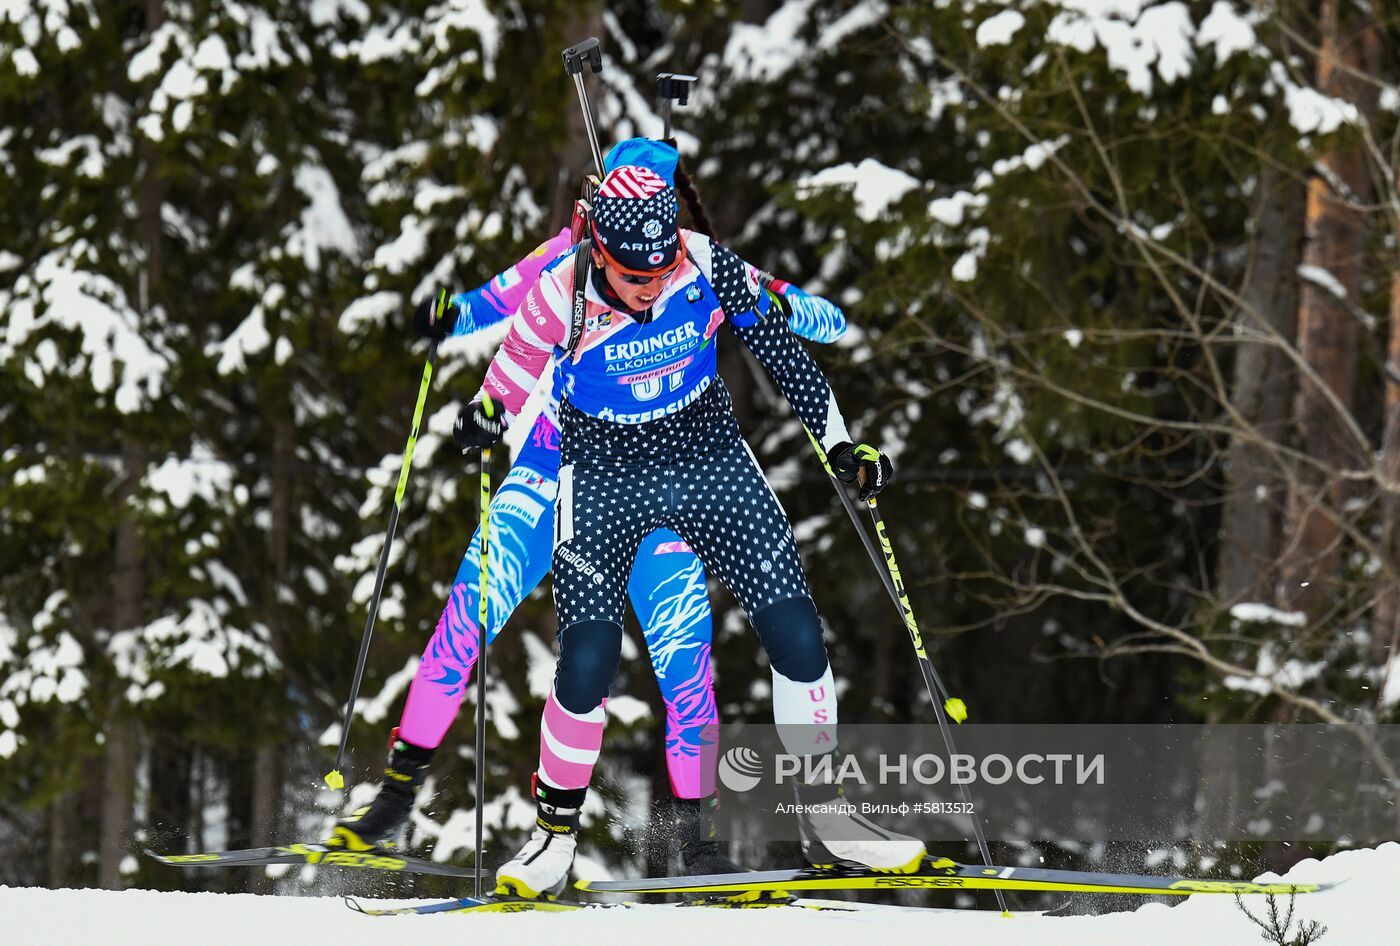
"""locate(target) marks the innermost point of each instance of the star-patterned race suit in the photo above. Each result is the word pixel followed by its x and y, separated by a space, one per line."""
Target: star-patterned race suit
pixel 649 441
pixel 666 586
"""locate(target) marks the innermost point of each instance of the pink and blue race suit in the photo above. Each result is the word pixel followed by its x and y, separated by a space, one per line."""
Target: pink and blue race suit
pixel 667 584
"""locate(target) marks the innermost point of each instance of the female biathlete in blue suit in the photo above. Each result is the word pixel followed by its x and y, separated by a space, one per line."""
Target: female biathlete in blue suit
pixel 666 588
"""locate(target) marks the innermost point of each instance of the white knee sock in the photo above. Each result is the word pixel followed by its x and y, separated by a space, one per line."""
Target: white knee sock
pixel 805 713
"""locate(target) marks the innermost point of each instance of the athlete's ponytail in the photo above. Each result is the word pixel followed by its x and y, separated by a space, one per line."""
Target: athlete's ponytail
pixel 699 218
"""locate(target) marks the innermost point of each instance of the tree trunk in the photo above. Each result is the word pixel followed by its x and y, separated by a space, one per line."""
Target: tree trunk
pixel 266 796
pixel 82 871
pixel 575 159
pixel 1386 631
pixel 1327 332
pixel 238 765
pixel 1261 391
pixel 172 767
pixel 266 801
pixel 62 854
pixel 267 767
pixel 120 748
pixel 151 195
pixel 199 783
pixel 118 795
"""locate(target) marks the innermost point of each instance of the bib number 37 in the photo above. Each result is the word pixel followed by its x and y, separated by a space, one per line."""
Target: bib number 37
pixel 649 388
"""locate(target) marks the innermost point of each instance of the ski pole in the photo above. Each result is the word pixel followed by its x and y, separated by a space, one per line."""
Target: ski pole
pixel 888 569
pixel 482 610
pixel 954 706
pixel 334 778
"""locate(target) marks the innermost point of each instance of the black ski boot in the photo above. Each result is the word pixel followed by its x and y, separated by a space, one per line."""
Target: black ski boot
pixel 379 824
pixel 701 852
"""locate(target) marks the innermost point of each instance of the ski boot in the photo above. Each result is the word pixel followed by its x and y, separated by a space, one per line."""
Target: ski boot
pixel 541 869
pixel 703 854
pixel 834 835
pixel 379 824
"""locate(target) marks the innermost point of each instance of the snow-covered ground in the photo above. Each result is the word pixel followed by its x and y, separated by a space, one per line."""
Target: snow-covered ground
pixel 1359 913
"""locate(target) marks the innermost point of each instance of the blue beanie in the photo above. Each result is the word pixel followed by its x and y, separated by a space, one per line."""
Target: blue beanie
pixel 645 153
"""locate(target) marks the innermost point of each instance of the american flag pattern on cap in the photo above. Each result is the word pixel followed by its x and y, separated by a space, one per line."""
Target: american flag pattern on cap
pixel 635 218
pixel 631 181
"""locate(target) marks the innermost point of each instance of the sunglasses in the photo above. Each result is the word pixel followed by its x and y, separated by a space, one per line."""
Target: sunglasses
pixel 634 280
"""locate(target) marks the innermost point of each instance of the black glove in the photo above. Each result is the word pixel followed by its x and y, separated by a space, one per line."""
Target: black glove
pixel 861 464
pixel 435 317
pixel 479 425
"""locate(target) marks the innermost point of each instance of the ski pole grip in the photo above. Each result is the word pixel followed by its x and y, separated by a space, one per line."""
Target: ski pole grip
pixel 581 54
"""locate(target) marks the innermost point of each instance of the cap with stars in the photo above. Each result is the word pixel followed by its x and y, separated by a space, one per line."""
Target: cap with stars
pixel 635 219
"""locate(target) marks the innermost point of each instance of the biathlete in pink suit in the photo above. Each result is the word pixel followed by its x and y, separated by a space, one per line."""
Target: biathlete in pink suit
pixel 666 588
pixel 648 441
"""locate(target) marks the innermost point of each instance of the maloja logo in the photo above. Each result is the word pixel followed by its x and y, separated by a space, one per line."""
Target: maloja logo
pixel 577 561
pixel 740 769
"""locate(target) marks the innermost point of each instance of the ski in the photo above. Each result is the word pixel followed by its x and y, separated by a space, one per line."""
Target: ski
pixel 487 903
pixel 500 903
pixel 497 903
pixel 321 854
pixel 944 874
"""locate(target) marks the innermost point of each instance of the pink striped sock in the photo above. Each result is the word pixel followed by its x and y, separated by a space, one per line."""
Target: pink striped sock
pixel 569 744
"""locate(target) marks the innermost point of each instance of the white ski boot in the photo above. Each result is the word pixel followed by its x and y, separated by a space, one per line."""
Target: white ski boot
pixel 541 869
pixel 834 835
